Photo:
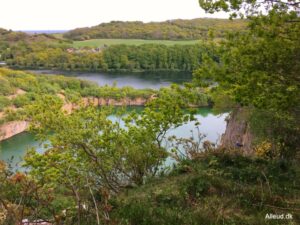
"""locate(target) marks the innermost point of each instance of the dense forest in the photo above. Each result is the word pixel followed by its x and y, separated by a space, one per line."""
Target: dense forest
pixel 21 50
pixel 149 57
pixel 168 30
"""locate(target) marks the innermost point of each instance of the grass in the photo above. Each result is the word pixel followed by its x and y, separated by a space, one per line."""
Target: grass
pixel 218 188
pixel 108 42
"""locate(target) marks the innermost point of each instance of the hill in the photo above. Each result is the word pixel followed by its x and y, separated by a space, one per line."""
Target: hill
pixel 13 37
pixel 168 30
pixel 216 188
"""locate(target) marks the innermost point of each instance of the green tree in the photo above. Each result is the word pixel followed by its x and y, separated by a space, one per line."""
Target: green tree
pixel 260 69
pixel 89 157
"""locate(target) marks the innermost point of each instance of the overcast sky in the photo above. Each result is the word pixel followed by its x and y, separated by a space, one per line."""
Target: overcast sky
pixel 69 14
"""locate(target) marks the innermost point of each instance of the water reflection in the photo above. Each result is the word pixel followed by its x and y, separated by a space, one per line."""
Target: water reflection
pixel 137 80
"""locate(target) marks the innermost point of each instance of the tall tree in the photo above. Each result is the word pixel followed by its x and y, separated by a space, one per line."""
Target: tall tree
pixel 260 69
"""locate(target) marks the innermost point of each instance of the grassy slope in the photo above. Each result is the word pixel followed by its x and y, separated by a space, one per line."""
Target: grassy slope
pixel 215 189
pixel 108 42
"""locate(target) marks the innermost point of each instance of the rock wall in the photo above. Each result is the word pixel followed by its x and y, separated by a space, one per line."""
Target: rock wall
pixel 69 107
pixel 139 101
pixel 238 134
pixel 11 129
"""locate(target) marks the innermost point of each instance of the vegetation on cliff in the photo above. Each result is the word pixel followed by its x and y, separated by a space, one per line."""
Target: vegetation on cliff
pixel 62 189
pixel 260 70
pixel 19 89
pixel 216 187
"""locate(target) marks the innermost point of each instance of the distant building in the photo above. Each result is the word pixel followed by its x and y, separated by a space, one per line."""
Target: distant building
pixel 2 63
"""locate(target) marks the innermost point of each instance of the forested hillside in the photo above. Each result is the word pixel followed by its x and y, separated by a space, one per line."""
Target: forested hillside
pixel 148 57
pixel 14 44
pixel 168 30
pixel 43 51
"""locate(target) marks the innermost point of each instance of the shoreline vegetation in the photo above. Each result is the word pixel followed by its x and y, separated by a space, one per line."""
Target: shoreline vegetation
pixel 33 51
pixel 21 89
pixel 108 71
pixel 146 57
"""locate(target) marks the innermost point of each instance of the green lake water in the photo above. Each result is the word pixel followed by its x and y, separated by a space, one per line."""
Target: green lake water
pixel 153 80
pixel 13 149
pixel 213 126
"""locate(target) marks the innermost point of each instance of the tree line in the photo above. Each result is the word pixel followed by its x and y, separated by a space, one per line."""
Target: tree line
pixel 168 30
pixel 148 57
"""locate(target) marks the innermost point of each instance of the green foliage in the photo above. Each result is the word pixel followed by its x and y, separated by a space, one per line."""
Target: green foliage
pixel 22 100
pixel 245 7
pixel 32 86
pixel 168 30
pixel 154 57
pixel 88 152
pixel 4 102
pixel 260 69
pixel 238 189
pixel 5 88
pixel 146 57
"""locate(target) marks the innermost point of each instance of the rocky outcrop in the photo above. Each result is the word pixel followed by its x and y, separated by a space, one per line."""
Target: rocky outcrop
pixel 11 129
pixel 17 93
pixel 238 134
pixel 139 101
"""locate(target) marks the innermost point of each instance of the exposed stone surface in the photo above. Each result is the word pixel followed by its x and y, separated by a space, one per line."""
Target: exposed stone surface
pixel 11 129
pixel 17 93
pixel 69 107
pixel 113 102
pixel 238 134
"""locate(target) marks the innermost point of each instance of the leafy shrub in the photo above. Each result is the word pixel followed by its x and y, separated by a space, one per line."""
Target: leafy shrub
pixel 23 100
pixel 4 102
pixel 5 87
pixel 196 187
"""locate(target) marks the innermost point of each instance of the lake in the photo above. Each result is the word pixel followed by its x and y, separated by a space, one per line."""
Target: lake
pixel 13 149
pixel 213 126
pixel 137 80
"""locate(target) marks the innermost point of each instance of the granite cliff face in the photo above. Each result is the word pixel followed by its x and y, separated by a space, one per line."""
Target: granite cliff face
pixel 139 101
pixel 13 128
pixel 238 134
pixel 69 107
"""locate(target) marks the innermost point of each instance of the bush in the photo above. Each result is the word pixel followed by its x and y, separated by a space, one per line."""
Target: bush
pixel 23 100
pixel 4 102
pixel 5 87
